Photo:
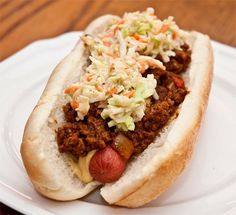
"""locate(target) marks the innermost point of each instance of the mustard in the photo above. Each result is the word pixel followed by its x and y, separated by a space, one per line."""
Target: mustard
pixel 81 168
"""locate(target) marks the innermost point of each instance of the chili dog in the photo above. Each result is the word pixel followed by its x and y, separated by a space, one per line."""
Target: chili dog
pixel 122 109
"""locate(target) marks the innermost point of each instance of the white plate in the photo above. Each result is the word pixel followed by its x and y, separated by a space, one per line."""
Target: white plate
pixel 207 186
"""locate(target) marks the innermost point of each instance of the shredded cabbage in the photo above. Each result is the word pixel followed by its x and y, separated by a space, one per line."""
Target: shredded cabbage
pixel 119 56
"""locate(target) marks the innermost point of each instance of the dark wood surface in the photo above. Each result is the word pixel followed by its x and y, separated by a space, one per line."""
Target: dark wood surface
pixel 25 21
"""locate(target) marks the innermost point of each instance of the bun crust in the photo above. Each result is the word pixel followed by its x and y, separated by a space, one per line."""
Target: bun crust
pixel 49 170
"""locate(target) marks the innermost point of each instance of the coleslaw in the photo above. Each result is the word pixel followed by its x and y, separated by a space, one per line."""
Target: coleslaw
pixel 119 56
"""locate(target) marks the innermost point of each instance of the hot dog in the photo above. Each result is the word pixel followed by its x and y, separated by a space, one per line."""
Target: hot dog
pixel 124 106
pixel 107 165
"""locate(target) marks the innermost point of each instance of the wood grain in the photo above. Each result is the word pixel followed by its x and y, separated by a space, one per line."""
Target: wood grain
pixel 25 21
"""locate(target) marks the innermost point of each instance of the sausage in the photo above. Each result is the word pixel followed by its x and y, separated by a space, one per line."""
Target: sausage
pixel 107 165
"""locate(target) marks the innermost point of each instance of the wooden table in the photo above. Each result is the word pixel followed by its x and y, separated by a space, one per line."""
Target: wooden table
pixel 25 21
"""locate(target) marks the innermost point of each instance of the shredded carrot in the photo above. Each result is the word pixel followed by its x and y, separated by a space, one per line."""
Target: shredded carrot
pixel 137 37
pixel 112 91
pixel 114 55
pixel 112 66
pixel 70 90
pixel 108 44
pixel 98 87
pixel 89 77
pixel 143 67
pixel 119 22
pixel 174 35
pixel 74 104
pixel 164 28
pixel 117 28
pixel 127 68
pixel 129 94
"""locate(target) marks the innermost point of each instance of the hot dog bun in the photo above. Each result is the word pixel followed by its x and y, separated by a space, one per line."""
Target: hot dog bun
pixel 148 175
